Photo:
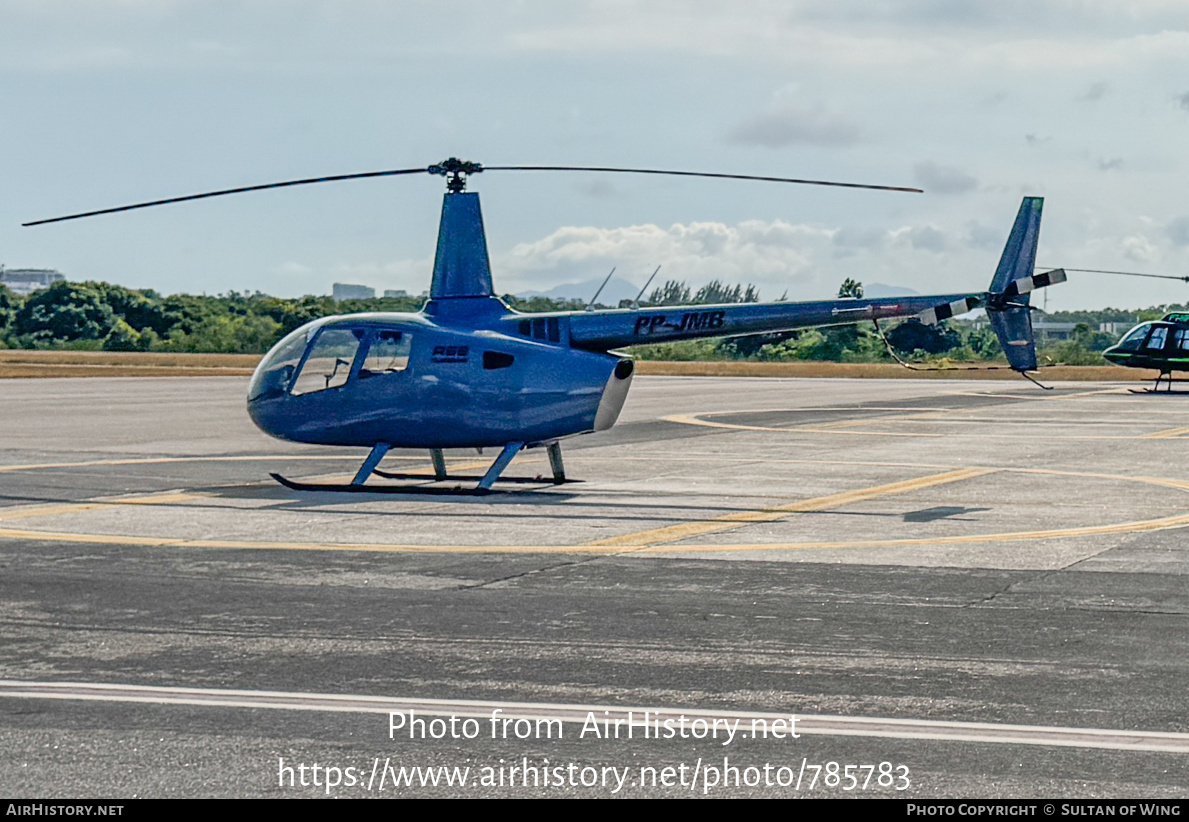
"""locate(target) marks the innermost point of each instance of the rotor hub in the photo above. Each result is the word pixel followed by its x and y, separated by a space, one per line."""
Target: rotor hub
pixel 455 171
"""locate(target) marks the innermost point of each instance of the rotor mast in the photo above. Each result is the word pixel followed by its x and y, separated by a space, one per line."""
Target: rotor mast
pixel 462 267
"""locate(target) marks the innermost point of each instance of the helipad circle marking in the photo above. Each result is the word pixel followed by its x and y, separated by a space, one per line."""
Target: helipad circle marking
pixel 839 429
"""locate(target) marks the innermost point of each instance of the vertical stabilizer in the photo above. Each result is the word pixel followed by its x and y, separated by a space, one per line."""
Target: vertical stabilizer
pixel 461 267
pixel 1008 309
pixel 1019 255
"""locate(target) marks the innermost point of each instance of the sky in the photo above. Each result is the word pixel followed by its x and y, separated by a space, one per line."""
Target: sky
pixel 1083 102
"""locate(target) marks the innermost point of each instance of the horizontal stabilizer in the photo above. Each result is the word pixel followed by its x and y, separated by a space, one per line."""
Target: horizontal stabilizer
pixel 1025 285
pixel 932 316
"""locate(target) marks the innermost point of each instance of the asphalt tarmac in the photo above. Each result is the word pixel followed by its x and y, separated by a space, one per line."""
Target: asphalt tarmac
pixel 945 589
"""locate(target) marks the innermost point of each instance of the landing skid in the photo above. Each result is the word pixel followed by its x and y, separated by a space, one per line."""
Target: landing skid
pixel 1155 389
pixel 471 478
pixel 369 467
pixel 351 488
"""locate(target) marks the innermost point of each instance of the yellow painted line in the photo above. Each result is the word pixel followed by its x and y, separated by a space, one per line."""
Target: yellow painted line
pixel 1043 398
pixel 168 498
pixel 1095 393
pixel 1169 433
pixel 249 545
pixel 174 497
pixel 739 519
pixel 165 460
pixel 1164 523
pixel 697 419
pixel 920 416
pixel 32 511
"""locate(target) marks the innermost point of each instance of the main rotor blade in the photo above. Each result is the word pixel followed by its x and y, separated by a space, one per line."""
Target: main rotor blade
pixel 1126 273
pixel 703 174
pixel 241 190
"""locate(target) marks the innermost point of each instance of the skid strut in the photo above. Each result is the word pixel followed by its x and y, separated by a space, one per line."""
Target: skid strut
pixel 439 464
pixel 369 464
pixel 440 474
pixel 559 471
pixel 501 462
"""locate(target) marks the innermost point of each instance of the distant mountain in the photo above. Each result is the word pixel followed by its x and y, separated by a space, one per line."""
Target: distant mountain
pixel 881 290
pixel 616 290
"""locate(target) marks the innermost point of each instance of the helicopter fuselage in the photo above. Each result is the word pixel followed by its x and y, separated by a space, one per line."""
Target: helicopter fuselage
pixel 1160 344
pixel 409 381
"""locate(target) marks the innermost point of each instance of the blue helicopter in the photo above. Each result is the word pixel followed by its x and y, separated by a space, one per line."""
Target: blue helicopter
pixel 467 371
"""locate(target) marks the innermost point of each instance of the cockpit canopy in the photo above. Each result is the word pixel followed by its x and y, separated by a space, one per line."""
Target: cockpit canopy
pixel 1157 336
pixel 325 355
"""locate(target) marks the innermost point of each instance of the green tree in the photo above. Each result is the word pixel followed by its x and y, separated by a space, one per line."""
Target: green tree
pixel 913 335
pixel 228 334
pixel 717 292
pixel 851 288
pixel 64 312
pixel 139 309
pixel 123 337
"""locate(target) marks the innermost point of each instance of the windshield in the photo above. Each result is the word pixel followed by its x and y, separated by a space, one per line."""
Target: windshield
pixel 331 361
pixel 1134 338
pixel 275 372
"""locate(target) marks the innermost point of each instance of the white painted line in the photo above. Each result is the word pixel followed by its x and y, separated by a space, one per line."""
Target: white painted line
pixel 809 724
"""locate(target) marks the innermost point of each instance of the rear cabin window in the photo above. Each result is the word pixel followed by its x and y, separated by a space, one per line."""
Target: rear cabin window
pixel 546 329
pixel 329 362
pixel 388 352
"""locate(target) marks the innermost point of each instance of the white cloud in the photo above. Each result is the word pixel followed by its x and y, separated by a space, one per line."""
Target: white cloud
pixel 923 237
pixel 1140 249
pixel 776 254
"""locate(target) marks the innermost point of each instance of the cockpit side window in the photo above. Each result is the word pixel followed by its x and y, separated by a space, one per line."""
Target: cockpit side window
pixel 388 352
pixel 329 362
pixel 1157 339
pixel 1135 337
pixel 1181 339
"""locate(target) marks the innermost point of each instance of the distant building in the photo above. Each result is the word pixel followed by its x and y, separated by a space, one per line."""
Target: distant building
pixel 395 293
pixel 346 291
pixel 1045 330
pixel 1042 329
pixel 25 281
